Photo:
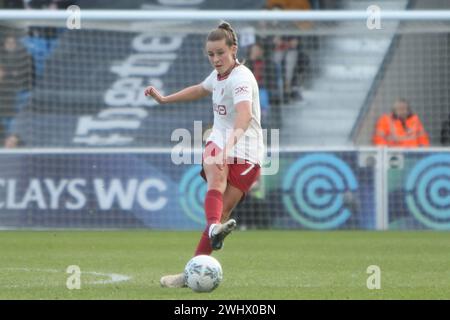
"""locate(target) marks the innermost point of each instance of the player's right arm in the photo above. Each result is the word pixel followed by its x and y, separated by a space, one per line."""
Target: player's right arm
pixel 187 94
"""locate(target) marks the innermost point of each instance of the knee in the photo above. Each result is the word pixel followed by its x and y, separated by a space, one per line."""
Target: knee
pixel 218 182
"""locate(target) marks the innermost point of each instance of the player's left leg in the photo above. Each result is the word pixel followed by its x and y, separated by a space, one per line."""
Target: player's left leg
pixel 217 183
pixel 231 198
pixel 173 281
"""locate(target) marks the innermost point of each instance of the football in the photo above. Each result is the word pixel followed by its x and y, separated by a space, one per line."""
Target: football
pixel 203 273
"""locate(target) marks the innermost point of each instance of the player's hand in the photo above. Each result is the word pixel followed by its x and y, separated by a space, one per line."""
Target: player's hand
pixel 219 160
pixel 151 91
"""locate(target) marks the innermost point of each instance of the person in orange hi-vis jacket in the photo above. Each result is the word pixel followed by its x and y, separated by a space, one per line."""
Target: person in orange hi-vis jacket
pixel 400 128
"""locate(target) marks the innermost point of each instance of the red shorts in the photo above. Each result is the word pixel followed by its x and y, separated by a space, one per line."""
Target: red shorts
pixel 241 173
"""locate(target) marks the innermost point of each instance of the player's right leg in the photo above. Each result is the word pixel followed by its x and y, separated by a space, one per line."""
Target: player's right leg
pixel 216 180
pixel 231 198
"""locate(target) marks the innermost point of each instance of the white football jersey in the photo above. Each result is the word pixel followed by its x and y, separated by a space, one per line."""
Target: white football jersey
pixel 239 85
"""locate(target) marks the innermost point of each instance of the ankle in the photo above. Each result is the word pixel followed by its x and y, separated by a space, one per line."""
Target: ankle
pixel 211 230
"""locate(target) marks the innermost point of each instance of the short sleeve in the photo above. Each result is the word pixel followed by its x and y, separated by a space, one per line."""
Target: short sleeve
pixel 208 82
pixel 242 90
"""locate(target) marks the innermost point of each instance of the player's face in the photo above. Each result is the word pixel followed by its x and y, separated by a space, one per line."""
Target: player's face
pixel 220 55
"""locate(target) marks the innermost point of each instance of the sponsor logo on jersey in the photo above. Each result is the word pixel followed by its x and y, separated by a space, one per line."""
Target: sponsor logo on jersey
pixel 241 90
pixel 220 109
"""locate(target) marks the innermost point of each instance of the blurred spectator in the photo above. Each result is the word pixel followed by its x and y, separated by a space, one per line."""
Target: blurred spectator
pixel 445 132
pixel 16 78
pixel 7 99
pixel 264 71
pixel 13 141
pixel 42 39
pixel 400 128
pixel 17 61
pixel 287 51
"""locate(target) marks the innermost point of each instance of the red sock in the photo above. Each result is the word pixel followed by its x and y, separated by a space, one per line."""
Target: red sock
pixel 213 211
pixel 204 246
pixel 213 206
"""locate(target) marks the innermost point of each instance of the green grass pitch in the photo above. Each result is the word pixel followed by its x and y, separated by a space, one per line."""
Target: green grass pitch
pixel 256 264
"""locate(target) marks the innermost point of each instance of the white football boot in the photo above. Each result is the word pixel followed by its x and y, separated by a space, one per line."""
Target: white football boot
pixel 218 232
pixel 173 281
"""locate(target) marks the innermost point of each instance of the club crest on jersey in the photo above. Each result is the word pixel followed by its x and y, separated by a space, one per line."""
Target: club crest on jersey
pixel 220 109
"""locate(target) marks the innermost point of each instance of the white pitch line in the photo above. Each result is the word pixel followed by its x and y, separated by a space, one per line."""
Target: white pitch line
pixel 113 277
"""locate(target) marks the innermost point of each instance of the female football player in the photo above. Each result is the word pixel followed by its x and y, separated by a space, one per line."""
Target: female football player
pixel 234 150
